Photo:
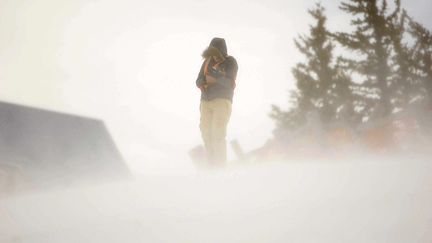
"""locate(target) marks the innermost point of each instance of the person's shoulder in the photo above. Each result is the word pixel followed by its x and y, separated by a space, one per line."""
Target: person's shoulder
pixel 231 60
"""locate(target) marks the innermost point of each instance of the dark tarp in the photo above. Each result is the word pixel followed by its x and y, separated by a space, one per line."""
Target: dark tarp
pixel 55 148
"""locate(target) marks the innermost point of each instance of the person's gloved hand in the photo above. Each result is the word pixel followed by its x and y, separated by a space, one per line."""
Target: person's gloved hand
pixel 210 80
pixel 203 88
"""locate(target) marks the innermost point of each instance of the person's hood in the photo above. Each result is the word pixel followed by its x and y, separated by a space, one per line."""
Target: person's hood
pixel 220 44
pixel 217 47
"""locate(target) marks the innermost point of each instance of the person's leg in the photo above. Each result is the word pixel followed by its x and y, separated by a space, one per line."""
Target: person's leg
pixel 221 116
pixel 205 127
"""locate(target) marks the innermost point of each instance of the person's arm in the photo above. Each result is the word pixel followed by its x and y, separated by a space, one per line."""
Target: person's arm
pixel 225 78
pixel 201 79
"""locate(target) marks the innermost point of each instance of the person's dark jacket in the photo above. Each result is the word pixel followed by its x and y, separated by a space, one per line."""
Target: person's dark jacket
pixel 224 87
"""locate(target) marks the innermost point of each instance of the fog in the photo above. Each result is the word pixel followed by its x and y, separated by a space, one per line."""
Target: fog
pixel 132 66
pixel 362 200
pixel 109 59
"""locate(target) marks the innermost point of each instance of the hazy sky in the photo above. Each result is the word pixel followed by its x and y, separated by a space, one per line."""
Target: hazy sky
pixel 133 63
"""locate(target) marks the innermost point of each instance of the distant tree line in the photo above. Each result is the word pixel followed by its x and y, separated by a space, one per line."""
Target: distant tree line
pixel 381 67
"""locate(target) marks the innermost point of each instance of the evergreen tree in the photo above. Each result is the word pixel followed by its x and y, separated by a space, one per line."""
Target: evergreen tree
pixel 404 87
pixel 322 85
pixel 372 43
pixel 289 120
pixel 344 97
pixel 422 60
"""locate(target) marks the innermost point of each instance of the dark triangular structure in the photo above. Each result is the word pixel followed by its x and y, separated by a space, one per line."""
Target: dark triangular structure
pixel 55 148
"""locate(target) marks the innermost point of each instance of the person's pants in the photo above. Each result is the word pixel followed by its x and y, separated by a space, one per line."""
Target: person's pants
pixel 215 115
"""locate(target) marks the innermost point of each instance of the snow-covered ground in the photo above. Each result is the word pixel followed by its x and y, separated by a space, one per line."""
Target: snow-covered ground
pixel 362 200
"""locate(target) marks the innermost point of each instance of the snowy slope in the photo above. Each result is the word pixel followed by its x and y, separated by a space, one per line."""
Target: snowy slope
pixel 356 201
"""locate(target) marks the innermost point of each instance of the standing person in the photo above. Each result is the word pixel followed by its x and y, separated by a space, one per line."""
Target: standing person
pixel 216 80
